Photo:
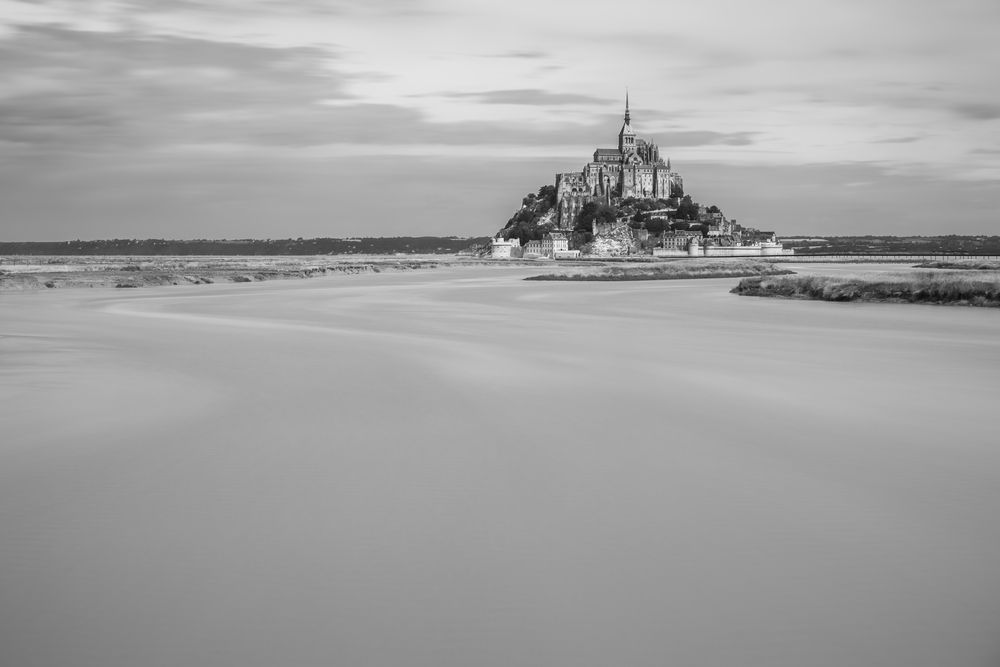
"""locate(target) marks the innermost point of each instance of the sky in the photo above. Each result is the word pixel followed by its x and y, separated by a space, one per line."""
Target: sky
pixel 312 118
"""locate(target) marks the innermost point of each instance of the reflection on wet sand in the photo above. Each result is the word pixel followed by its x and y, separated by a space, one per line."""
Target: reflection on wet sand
pixel 462 468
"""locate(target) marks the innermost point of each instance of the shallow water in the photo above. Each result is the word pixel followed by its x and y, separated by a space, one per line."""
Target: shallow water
pixel 456 467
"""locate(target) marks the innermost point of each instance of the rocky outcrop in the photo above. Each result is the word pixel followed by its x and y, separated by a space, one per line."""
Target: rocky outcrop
pixel 616 241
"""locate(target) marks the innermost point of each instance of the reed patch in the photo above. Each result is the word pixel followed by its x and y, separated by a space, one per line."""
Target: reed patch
pixel 677 270
pixel 927 287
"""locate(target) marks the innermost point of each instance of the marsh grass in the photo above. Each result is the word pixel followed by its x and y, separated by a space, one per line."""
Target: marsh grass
pixel 917 287
pixel 166 270
pixel 966 264
pixel 677 270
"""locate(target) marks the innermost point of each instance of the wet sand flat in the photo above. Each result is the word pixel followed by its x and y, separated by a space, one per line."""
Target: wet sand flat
pixel 459 467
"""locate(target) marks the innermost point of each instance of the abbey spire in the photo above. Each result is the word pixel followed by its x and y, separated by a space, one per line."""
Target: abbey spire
pixel 633 169
pixel 626 138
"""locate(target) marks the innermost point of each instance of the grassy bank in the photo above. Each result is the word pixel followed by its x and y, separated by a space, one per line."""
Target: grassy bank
pixel 966 264
pixel 18 273
pixel 923 287
pixel 676 270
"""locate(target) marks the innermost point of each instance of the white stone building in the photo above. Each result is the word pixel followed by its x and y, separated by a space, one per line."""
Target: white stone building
pixel 505 249
pixel 533 248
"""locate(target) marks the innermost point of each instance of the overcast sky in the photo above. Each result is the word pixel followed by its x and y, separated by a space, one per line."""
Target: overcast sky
pixel 288 118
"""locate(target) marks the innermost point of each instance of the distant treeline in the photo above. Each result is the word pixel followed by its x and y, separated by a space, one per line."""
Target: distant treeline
pixel 326 246
pixel 883 245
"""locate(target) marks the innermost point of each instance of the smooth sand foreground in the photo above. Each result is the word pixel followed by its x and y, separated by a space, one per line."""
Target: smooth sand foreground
pixel 461 468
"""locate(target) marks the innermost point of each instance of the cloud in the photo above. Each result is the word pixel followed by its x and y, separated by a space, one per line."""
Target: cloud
pixel 978 110
pixel 89 88
pixel 531 97
pixel 388 125
pixel 527 54
pixel 287 84
pixel 102 91
pixel 318 8
pixel 705 138
pixel 898 140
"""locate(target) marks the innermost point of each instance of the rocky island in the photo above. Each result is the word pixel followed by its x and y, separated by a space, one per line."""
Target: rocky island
pixel 627 201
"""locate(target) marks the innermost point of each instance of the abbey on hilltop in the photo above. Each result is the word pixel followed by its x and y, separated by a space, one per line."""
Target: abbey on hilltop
pixel 626 201
pixel 634 169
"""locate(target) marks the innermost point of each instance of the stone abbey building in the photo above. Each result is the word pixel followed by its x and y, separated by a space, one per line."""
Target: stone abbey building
pixel 634 169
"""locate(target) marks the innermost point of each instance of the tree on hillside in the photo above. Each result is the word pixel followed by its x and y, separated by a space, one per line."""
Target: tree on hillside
pixel 687 209
pixel 656 225
pixel 547 195
pixel 526 214
pixel 524 224
pixel 592 212
pixel 526 231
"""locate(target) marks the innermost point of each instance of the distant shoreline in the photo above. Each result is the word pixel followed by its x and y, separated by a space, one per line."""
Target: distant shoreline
pixel 956 247
pixel 416 245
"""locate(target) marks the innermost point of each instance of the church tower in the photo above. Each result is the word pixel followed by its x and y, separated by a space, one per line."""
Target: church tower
pixel 626 137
